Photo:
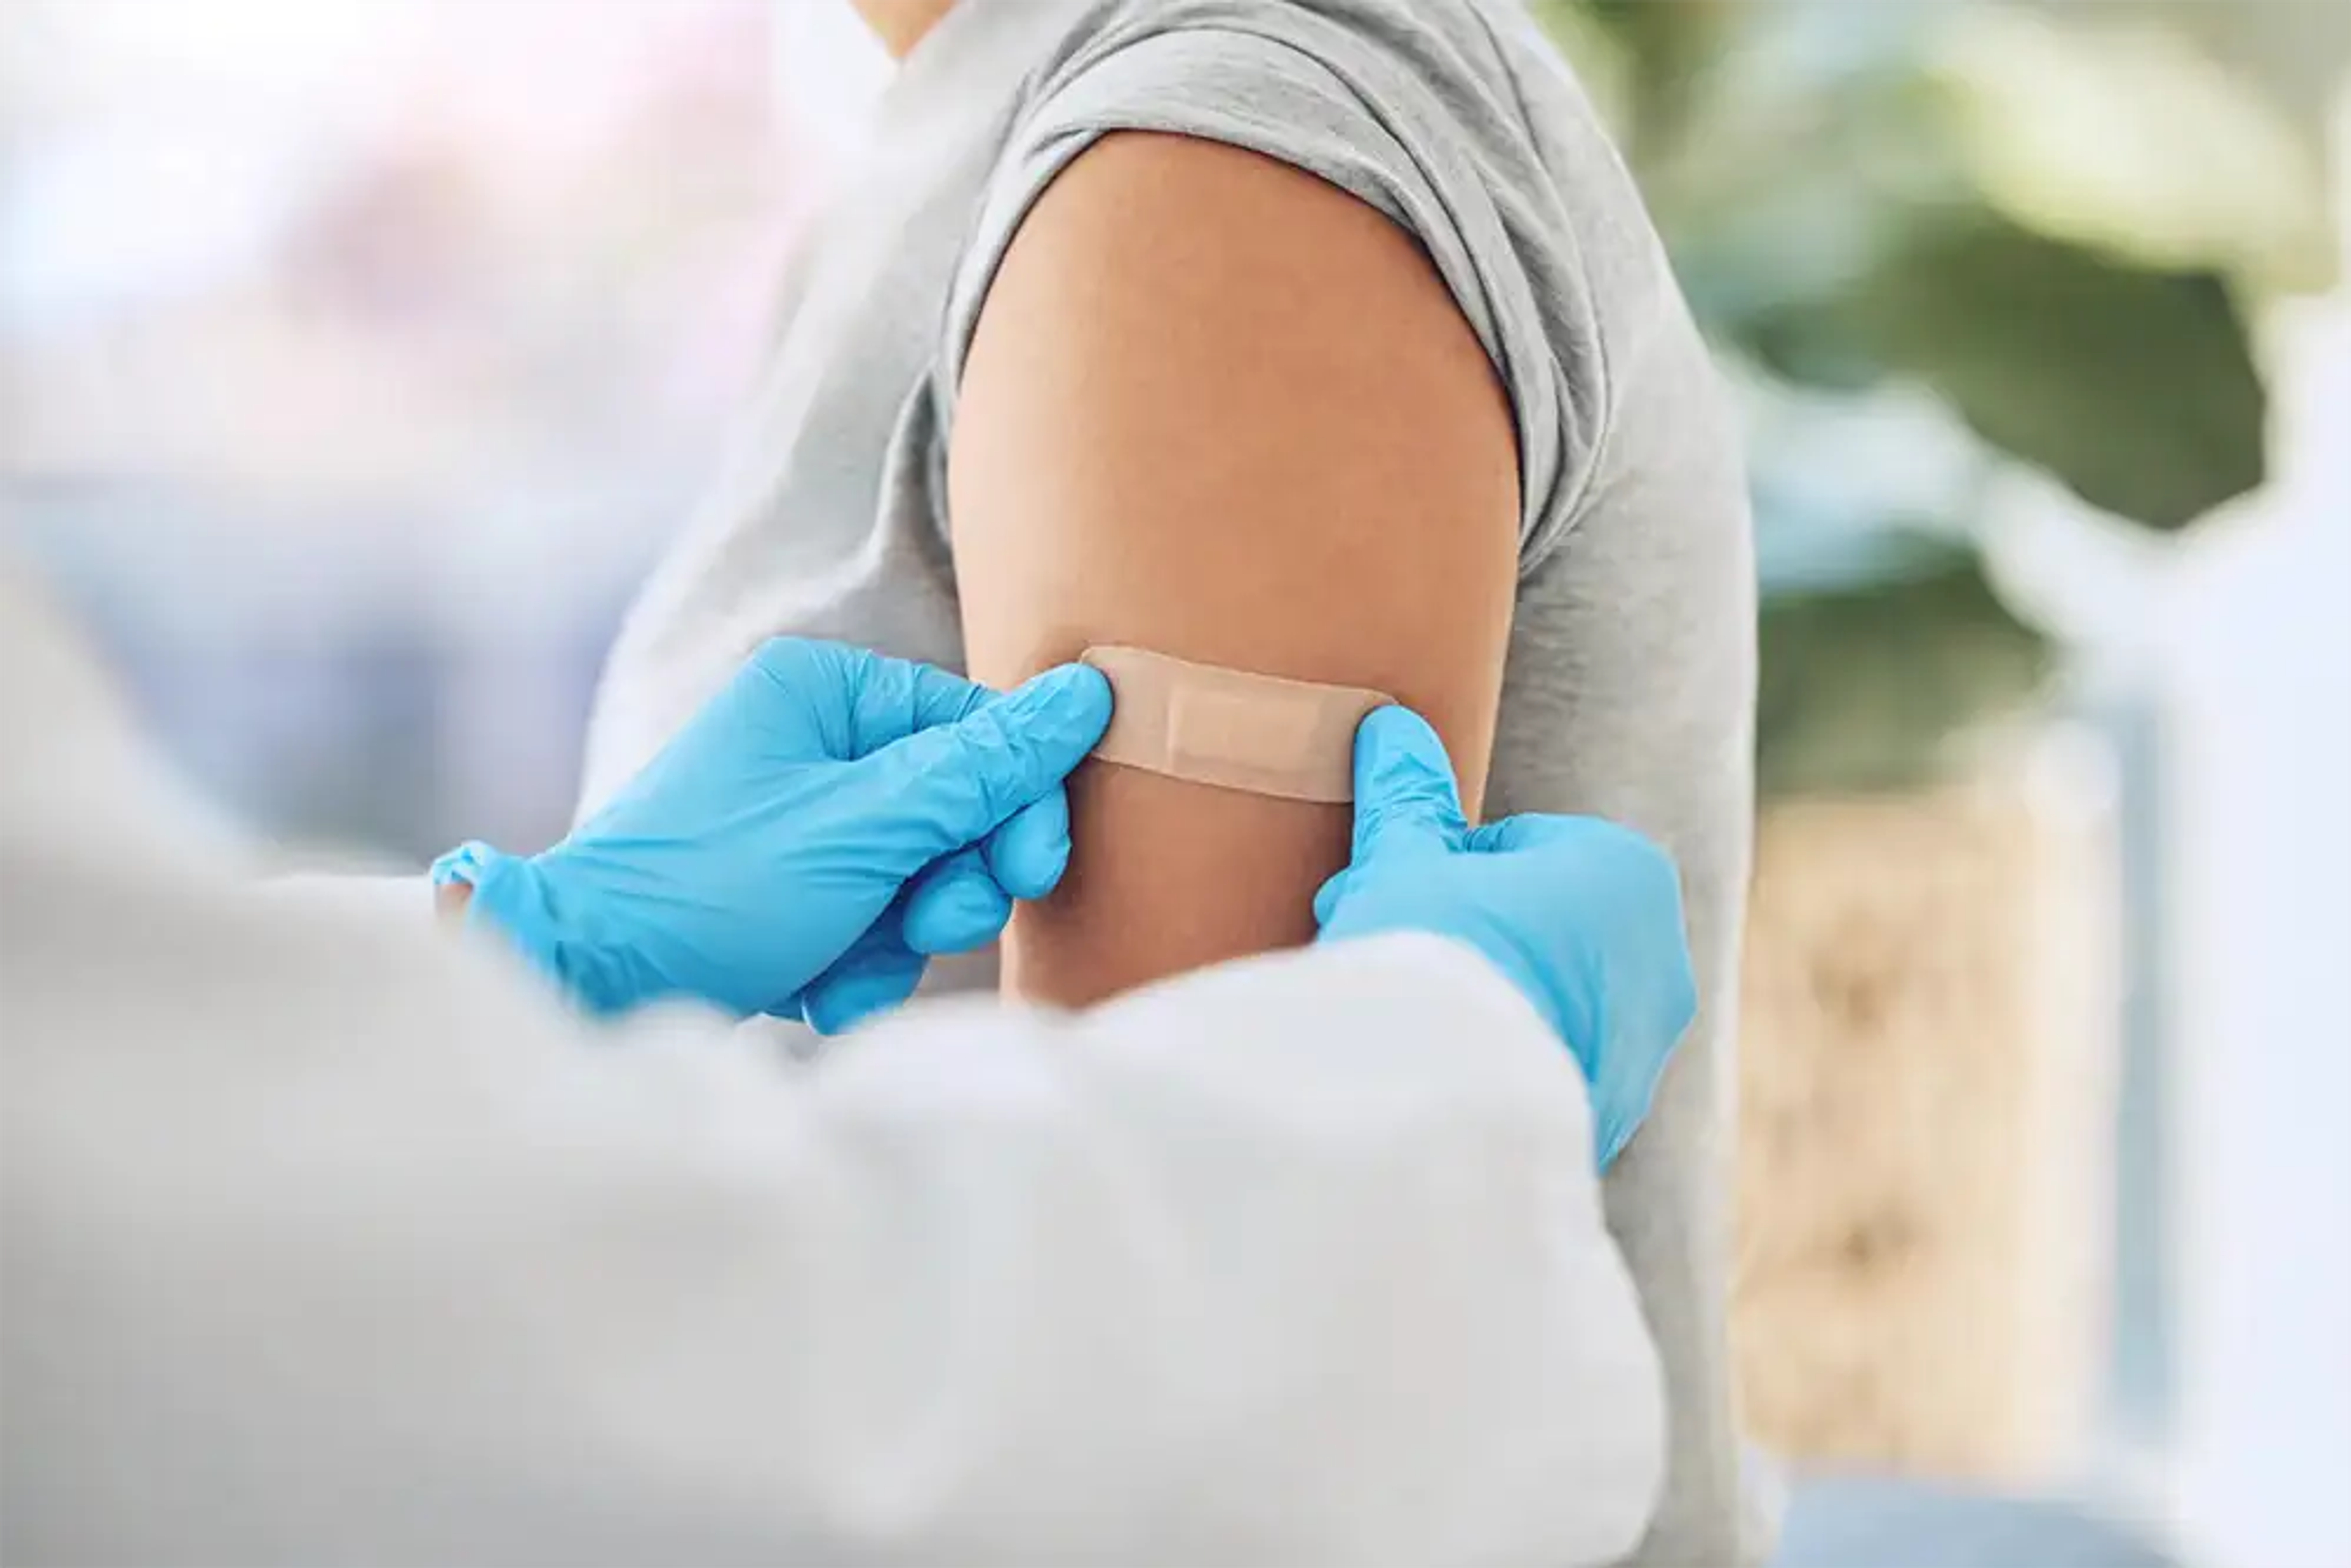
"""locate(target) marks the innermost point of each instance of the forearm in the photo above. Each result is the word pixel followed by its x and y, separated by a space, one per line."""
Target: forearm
pixel 406 899
pixel 992 1287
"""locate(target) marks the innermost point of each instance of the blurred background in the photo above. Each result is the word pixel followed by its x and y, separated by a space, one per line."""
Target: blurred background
pixel 357 357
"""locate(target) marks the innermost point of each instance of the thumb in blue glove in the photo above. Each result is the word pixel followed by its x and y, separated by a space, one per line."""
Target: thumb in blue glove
pixel 1585 918
pixel 827 823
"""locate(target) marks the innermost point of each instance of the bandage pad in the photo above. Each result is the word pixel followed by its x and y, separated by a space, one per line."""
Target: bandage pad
pixel 1262 734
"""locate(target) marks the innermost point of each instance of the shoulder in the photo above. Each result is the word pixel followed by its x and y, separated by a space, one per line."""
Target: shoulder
pixel 1455 119
pixel 1479 72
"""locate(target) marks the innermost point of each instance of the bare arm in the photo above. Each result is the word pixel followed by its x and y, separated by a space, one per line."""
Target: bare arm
pixel 1221 409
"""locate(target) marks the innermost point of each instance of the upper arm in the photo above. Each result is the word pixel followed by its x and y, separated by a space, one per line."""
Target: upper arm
pixel 1215 407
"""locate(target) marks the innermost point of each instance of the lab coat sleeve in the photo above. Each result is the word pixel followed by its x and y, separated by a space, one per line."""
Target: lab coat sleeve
pixel 330 1235
pixel 395 894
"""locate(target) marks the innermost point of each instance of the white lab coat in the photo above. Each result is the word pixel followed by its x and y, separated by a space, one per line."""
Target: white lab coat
pixel 328 1237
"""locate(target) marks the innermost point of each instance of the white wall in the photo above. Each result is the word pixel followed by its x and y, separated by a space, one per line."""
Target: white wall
pixel 2261 683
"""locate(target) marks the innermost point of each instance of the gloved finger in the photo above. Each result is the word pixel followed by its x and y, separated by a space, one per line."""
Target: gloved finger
pixel 840 1004
pixel 1404 793
pixel 954 905
pixel 1029 853
pixel 880 951
pixel 880 972
pixel 899 697
pixel 959 782
pixel 858 700
pixel 1530 831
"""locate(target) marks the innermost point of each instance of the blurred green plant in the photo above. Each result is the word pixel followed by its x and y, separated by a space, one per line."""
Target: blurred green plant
pixel 2052 224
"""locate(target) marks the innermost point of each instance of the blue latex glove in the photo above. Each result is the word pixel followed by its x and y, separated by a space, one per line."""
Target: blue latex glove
pixel 1584 917
pixel 824 825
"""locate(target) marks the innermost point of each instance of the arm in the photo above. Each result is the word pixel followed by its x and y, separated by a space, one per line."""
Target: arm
pixel 328 1232
pixel 1220 408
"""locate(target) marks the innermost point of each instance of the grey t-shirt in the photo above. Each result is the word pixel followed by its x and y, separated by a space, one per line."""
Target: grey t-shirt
pixel 1629 687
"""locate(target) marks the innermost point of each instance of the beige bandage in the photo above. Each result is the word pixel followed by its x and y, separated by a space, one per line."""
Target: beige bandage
pixel 1231 728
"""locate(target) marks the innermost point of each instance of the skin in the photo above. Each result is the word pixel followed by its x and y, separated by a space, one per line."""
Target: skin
pixel 901 24
pixel 1216 407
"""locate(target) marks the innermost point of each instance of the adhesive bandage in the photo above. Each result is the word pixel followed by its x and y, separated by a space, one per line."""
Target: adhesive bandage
pixel 1230 728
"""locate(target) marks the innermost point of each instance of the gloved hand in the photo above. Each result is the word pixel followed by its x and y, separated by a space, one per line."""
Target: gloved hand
pixel 825 824
pixel 1584 917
